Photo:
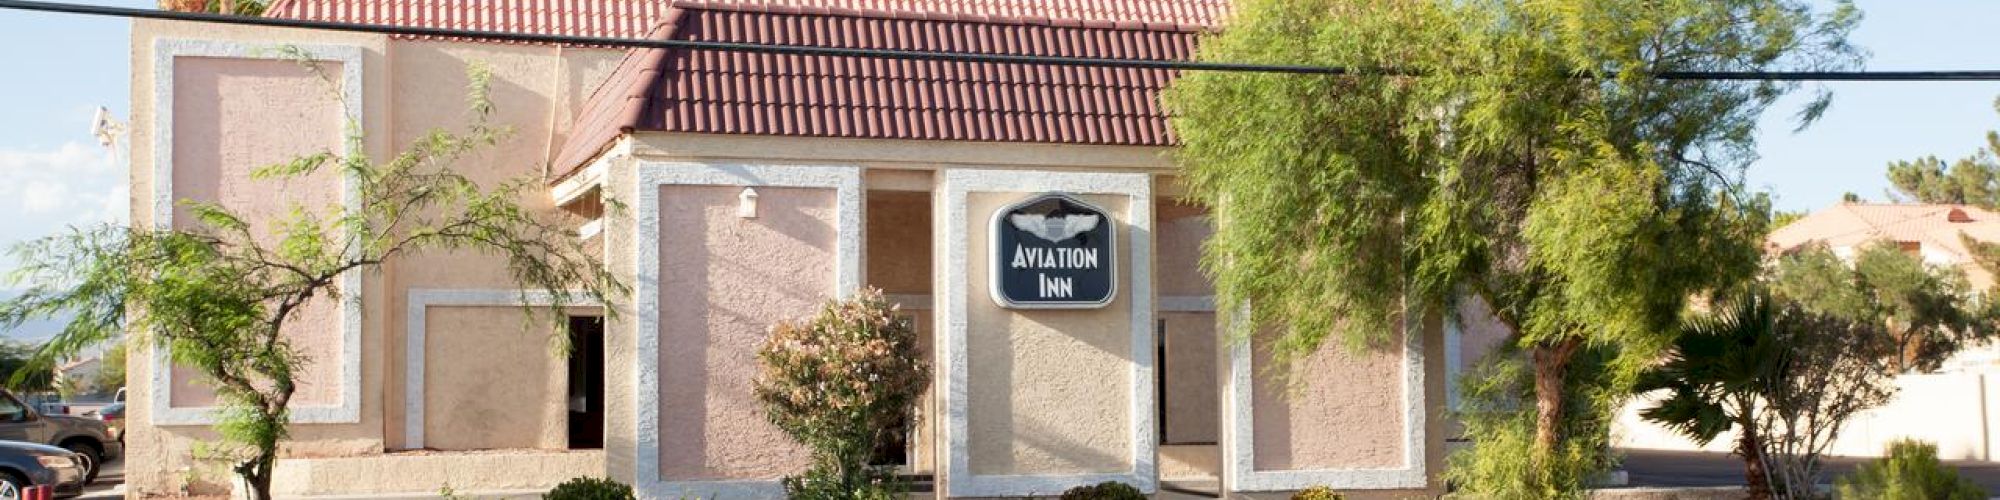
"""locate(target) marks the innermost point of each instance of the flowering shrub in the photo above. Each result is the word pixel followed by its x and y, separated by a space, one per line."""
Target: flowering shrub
pixel 1108 490
pixel 839 382
pixel 590 488
pixel 1317 493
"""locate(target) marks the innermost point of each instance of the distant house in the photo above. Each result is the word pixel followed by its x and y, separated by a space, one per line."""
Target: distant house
pixel 1928 230
pixel 1951 407
pixel 82 370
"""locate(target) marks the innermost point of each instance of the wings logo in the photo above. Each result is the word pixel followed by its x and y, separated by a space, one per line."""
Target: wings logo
pixel 1053 251
pixel 1054 229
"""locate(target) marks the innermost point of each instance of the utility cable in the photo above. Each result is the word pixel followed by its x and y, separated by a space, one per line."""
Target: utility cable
pixel 921 55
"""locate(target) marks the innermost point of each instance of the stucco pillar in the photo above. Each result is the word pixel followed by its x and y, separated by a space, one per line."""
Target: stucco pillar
pixel 1035 401
pixel 1350 420
pixel 715 267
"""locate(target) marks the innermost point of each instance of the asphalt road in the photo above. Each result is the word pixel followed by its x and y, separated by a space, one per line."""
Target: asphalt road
pixel 110 482
pixel 1688 468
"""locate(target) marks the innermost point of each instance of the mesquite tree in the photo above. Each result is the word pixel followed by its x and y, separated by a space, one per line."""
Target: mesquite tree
pixel 223 298
pixel 1526 153
pixel 1930 312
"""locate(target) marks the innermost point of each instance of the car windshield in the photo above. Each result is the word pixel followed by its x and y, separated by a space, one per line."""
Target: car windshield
pixel 11 410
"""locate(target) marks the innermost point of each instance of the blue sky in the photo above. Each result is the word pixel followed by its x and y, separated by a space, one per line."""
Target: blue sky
pixel 61 67
pixel 1873 123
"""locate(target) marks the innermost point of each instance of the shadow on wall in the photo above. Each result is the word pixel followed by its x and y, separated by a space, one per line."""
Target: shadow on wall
pixel 724 281
pixel 1085 386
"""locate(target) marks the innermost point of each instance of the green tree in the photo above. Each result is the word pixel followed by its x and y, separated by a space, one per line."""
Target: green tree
pixel 1971 180
pixel 1715 375
pixel 237 7
pixel 220 298
pixel 111 368
pixel 1929 311
pixel 1911 471
pixel 1814 342
pixel 1782 377
pixel 1781 218
pixel 1522 152
pixel 1987 256
pixel 19 369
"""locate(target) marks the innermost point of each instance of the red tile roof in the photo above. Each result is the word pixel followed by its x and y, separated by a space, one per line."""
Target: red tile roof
pixel 837 96
pixel 827 96
pixel 1934 228
pixel 637 18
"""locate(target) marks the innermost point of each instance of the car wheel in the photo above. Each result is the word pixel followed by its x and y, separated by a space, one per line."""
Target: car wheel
pixel 91 457
pixel 11 486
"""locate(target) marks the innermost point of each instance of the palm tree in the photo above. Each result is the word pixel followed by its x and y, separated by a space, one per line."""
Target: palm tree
pixel 1714 374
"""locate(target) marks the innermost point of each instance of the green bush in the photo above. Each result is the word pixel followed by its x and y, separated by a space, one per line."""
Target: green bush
pixel 1108 490
pixel 1498 406
pixel 1910 472
pixel 839 383
pixel 590 488
pixel 1317 493
pixel 877 483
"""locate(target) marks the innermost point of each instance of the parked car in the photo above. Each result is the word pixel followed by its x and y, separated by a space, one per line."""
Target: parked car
pixel 113 416
pixel 90 438
pixel 28 464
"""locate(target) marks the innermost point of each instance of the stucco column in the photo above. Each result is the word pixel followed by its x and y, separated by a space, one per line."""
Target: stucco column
pixel 722 252
pixel 1350 419
pixel 1035 401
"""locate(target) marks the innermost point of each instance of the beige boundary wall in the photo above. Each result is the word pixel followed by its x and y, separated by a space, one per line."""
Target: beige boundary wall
pixel 1957 411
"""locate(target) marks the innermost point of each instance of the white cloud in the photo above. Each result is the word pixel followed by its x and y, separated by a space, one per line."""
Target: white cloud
pixel 75 183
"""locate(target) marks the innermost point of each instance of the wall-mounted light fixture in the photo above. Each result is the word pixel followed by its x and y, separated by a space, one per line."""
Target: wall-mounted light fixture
pixel 746 203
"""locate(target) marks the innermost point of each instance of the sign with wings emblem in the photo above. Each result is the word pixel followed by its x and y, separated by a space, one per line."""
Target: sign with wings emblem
pixel 1053 251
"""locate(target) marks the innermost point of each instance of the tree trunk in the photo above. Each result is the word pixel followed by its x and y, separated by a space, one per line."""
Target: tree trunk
pixel 1750 446
pixel 256 472
pixel 1551 368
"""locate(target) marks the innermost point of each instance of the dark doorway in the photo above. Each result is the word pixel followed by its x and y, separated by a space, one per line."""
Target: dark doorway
pixel 586 382
pixel 893 446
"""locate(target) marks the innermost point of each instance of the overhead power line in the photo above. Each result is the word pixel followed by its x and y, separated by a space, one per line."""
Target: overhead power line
pixel 920 55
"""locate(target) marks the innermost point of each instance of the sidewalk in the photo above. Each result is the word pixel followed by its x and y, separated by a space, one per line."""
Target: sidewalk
pixel 1695 468
pixel 110 482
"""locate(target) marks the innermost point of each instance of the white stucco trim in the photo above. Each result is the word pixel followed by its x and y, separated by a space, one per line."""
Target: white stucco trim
pixel 846 183
pixel 956 185
pixel 165 51
pixel 1240 473
pixel 415 331
pixel 581 182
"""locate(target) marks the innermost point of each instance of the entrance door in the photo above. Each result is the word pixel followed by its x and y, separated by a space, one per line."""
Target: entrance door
pixel 586 382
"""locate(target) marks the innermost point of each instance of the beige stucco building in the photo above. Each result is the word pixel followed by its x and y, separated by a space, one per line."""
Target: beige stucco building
pixel 753 187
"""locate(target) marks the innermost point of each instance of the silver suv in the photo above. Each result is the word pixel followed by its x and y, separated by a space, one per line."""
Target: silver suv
pixel 89 438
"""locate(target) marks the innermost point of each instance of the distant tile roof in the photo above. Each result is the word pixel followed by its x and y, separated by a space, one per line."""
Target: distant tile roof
pixel 830 96
pixel 637 18
pixel 1936 228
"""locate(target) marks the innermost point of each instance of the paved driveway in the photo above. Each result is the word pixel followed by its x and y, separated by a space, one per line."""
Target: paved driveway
pixel 110 482
pixel 1691 468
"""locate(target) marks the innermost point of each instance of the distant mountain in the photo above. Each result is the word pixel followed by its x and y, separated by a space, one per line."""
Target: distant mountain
pixel 33 331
